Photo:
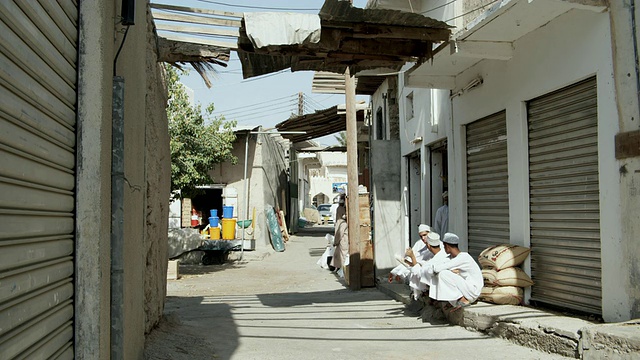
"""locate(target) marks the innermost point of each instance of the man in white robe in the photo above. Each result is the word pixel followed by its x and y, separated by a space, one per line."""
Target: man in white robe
pixel 441 222
pixel 420 277
pixel 459 280
pixel 420 251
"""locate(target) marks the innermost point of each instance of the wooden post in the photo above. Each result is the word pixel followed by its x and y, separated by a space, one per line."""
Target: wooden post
pixel 353 211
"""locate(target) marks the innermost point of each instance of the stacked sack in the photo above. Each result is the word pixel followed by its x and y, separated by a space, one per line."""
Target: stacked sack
pixel 503 279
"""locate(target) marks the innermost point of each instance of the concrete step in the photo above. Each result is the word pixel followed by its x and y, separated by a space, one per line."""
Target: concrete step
pixel 539 329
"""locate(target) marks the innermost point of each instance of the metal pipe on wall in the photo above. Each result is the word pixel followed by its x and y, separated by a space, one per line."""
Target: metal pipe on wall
pixel 117 220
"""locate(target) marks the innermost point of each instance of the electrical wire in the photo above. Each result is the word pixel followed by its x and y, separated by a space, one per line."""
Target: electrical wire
pixel 255 104
pixel 263 108
pixel 115 60
pixel 259 111
pixel 476 9
pixel 439 7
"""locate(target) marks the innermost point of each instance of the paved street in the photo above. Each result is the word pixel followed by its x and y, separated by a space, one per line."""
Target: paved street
pixel 284 306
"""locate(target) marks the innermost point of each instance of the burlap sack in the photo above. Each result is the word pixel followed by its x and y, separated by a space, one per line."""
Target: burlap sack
pixel 503 295
pixel 503 256
pixel 512 276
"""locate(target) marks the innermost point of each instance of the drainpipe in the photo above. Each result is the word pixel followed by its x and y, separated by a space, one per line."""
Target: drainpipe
pixel 117 220
pixel 117 195
pixel 246 191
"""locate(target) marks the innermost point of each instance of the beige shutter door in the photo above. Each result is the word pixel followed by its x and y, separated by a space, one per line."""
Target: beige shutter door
pixel 564 198
pixel 38 55
pixel 487 183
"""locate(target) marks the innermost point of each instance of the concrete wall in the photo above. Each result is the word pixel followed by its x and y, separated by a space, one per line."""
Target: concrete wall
pixel 624 290
pixel 146 204
pixel 387 213
pixel 268 182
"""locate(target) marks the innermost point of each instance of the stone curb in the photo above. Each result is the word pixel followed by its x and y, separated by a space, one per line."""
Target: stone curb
pixel 542 330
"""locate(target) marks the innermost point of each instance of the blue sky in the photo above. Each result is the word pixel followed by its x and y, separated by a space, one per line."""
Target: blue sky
pixel 265 100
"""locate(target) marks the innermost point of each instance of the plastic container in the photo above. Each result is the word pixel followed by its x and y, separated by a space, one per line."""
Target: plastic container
pixel 228 229
pixel 227 212
pixel 214 233
pixel 214 212
pixel 214 221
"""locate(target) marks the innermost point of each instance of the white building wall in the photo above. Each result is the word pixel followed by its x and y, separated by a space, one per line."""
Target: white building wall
pixel 575 46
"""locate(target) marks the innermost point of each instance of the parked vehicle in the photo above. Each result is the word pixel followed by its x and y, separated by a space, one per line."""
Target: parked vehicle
pixel 325 213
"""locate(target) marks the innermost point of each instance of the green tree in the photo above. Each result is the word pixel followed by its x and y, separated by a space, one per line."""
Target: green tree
pixel 342 138
pixel 196 146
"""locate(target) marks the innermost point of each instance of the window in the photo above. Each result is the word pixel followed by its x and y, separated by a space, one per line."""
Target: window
pixel 381 130
pixel 408 106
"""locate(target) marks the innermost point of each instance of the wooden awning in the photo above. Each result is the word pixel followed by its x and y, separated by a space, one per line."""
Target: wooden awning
pixel 362 39
pixel 321 123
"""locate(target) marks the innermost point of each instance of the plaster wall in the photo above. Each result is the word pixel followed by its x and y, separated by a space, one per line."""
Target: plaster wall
pixel 146 186
pixel 627 81
pixel 93 180
pixel 576 46
pixel 387 204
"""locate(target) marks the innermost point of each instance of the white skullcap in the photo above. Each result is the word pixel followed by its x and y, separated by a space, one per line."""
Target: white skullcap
pixel 451 238
pixel 433 239
pixel 445 194
pixel 423 228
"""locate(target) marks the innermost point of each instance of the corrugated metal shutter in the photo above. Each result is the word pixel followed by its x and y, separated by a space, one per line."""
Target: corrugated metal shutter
pixel 564 195
pixel 38 55
pixel 487 183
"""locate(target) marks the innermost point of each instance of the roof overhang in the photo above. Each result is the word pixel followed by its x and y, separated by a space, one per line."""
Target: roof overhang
pixel 491 36
pixel 360 39
pixel 367 82
pixel 321 123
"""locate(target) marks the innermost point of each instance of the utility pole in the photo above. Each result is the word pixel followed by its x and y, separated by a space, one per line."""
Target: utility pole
pixel 353 213
pixel 300 104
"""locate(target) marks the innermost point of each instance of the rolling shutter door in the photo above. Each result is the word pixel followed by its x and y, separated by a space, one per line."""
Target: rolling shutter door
pixel 487 183
pixel 564 198
pixel 38 55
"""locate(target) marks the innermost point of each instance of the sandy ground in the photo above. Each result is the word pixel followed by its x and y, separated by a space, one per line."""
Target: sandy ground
pixel 284 306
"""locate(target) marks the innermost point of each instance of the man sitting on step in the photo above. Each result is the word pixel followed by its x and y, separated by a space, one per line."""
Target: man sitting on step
pixel 459 280
pixel 421 277
pixel 421 254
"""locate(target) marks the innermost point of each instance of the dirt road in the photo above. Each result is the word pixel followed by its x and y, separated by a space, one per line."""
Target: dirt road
pixel 284 306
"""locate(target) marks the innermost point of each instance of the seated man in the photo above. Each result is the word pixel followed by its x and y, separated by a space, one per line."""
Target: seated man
pixel 420 279
pixel 421 254
pixel 459 280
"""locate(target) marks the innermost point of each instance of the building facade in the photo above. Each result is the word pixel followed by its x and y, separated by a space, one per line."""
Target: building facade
pixel 519 118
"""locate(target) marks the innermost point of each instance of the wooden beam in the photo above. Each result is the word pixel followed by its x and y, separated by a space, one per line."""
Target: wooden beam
pixel 199 30
pixel 201 41
pixel 237 15
pixel 196 19
pixel 175 51
pixel 367 31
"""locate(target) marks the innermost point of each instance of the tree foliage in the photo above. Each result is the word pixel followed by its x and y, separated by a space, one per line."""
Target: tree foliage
pixel 341 138
pixel 196 145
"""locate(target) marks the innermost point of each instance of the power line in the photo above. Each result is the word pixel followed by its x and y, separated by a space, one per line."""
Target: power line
pixel 469 12
pixel 255 104
pixel 267 107
pixel 292 106
pixel 439 7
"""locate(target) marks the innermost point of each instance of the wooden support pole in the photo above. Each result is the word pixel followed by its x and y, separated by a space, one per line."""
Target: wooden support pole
pixel 353 219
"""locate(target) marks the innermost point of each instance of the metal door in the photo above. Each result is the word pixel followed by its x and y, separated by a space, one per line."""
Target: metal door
pixel 38 57
pixel 564 198
pixel 487 183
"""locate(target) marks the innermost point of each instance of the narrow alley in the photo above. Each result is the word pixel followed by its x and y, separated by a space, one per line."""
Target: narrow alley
pixel 284 306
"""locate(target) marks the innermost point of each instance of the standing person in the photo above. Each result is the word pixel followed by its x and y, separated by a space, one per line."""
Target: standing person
pixel 341 243
pixel 441 223
pixel 459 280
pixel 419 250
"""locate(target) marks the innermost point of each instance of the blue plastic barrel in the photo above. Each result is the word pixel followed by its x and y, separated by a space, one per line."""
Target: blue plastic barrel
pixel 227 212
pixel 214 212
pixel 214 221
